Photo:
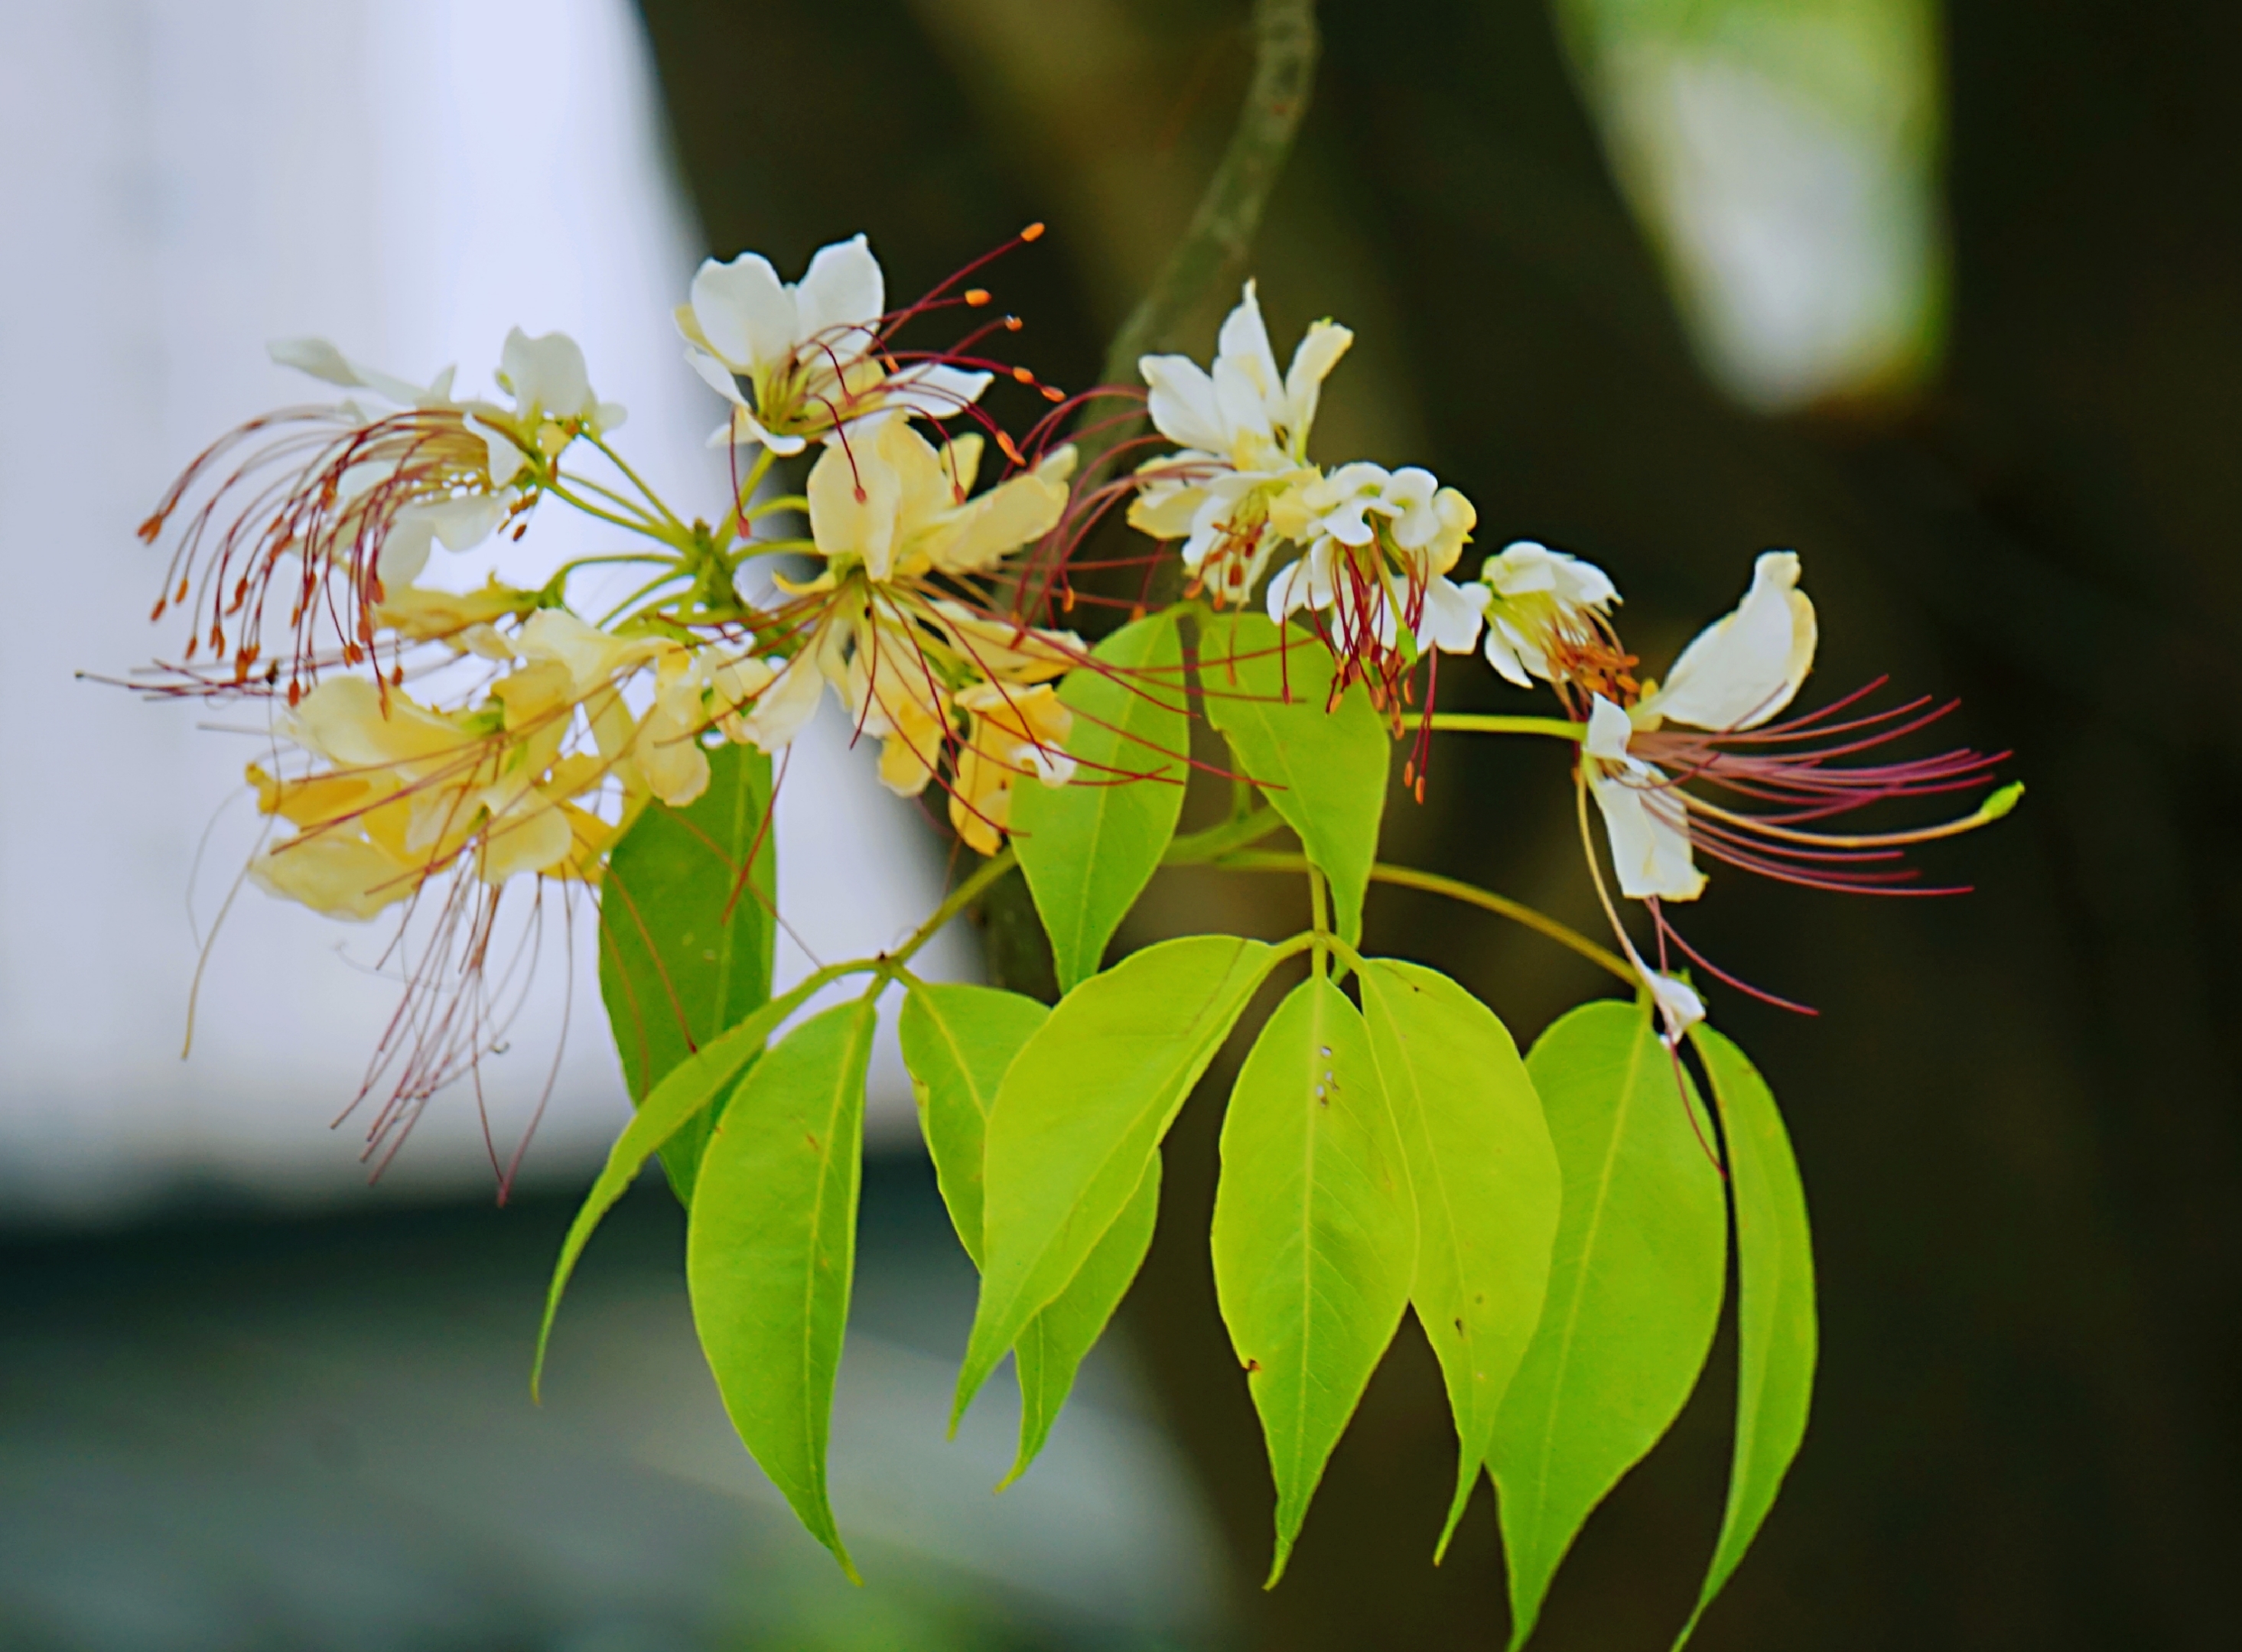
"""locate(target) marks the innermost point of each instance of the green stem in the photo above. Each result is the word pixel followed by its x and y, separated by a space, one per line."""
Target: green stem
pixel 1197 848
pixel 1469 722
pixel 961 897
pixel 652 498
pixel 1456 890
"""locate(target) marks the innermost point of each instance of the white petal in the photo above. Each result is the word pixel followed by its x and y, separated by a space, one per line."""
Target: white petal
pixel 1649 833
pixel 1244 342
pixel 1609 729
pixel 1408 497
pixel 546 372
pixel 1679 1006
pixel 1182 403
pixel 1453 615
pixel 746 313
pixel 404 552
pixel 1318 351
pixel 1740 670
pixel 784 709
pixel 842 298
pixel 934 392
pixel 1243 407
pixel 715 374
pixel 504 458
pixel 317 357
pixel 1289 591
pixel 462 524
pixel 1502 653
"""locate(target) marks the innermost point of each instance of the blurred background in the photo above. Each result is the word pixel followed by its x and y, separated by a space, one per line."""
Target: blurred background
pixel 1947 298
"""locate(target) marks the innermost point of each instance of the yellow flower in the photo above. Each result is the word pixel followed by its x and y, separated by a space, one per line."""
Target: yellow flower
pixel 1012 731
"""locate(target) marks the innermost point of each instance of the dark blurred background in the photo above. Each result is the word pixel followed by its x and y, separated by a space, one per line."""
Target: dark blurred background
pixel 2016 1114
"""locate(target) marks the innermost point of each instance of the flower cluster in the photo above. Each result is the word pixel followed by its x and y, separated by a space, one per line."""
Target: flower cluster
pixel 486 735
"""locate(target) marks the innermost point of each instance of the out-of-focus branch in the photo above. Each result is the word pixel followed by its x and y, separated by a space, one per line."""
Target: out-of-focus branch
pixel 1212 251
pixel 1214 247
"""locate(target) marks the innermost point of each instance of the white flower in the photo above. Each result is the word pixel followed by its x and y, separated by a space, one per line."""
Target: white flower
pixel 1679 1007
pixel 1379 578
pixel 1740 671
pixel 323 361
pixel 808 349
pixel 1744 668
pixel 1243 432
pixel 551 389
pixel 1535 597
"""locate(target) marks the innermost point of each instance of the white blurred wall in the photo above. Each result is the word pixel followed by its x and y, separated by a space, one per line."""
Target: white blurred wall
pixel 181 180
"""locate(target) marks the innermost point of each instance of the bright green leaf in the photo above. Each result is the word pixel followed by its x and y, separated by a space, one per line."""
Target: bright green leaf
pixel 685 1092
pixel 1487 1189
pixel 1315 1234
pixel 771 1247
pixel 685 945
pixel 1775 1310
pixel 1267 690
pixel 1091 846
pixel 1082 1111
pixel 957 1041
pixel 1050 1351
pixel 1634 1287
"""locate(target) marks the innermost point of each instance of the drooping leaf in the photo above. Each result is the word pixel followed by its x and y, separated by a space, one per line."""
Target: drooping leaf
pixel 1268 690
pixel 694 1086
pixel 1050 1351
pixel 1080 1114
pixel 957 1041
pixel 685 944
pixel 770 1250
pixel 1775 1309
pixel 1315 1234
pixel 1089 848
pixel 1487 1189
pixel 1634 1287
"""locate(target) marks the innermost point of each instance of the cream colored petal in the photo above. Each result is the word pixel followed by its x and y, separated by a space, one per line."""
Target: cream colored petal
pixel 1609 730
pixel 1679 1006
pixel 1744 669
pixel 1002 520
pixel 786 707
pixel 1318 351
pixel 855 495
pixel 532 835
pixel 339 875
pixel 547 373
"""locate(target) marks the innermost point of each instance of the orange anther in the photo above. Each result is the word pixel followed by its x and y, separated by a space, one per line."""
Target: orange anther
pixel 976 296
pixel 1033 232
pixel 1010 448
pixel 1013 323
pixel 1024 376
pixel 1052 393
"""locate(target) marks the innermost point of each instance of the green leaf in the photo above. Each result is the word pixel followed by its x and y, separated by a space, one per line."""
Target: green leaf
pixel 1080 1114
pixel 1634 1287
pixel 1487 1189
pixel 1774 1311
pixel 770 1250
pixel 685 950
pixel 1268 689
pixel 1091 846
pixel 1315 1234
pixel 957 1041
pixel 684 1093
pixel 1050 1351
